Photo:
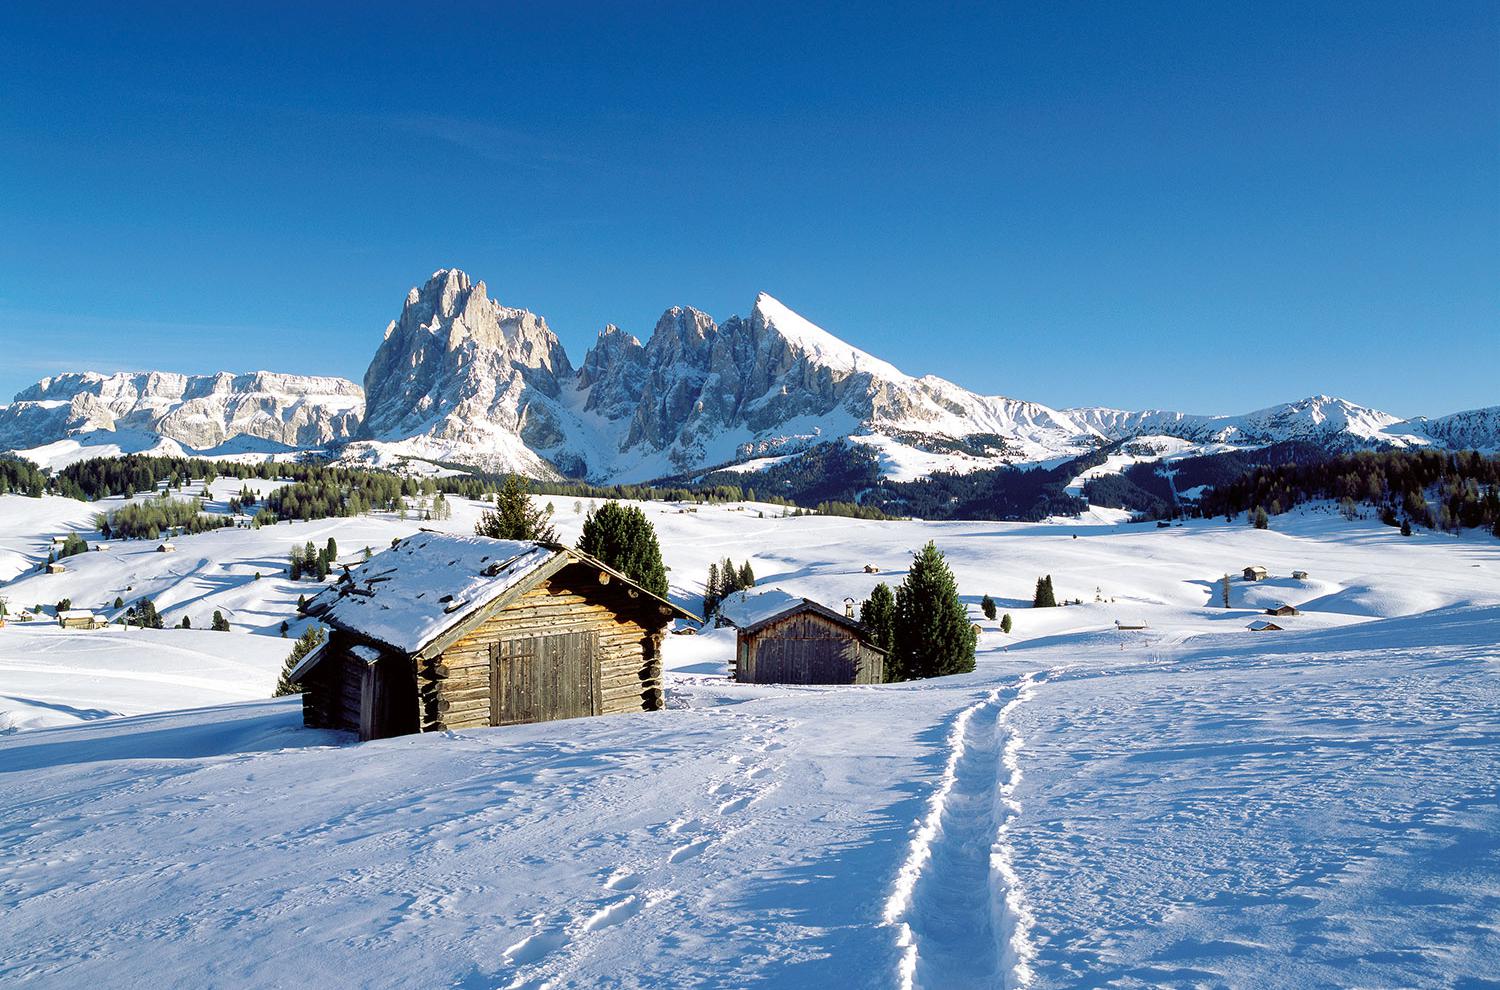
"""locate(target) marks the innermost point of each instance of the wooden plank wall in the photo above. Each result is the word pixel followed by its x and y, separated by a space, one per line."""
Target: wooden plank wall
pixel 455 686
pixel 331 699
pixel 806 648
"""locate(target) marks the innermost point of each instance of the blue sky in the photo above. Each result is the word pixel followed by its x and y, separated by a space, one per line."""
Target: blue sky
pixel 1203 206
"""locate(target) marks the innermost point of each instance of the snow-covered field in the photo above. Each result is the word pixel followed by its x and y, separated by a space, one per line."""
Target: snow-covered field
pixel 1187 805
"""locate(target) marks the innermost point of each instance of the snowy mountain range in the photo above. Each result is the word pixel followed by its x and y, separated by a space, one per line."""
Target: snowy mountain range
pixel 459 377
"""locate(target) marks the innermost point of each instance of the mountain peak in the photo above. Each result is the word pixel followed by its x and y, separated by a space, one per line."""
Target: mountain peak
pixel 818 344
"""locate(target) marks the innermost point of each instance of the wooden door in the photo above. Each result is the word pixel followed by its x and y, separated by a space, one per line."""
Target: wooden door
pixel 541 678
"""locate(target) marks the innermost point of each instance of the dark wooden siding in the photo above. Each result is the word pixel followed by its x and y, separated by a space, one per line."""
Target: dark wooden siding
pixel 806 648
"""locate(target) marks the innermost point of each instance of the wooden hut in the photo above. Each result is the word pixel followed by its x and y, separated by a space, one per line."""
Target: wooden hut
pixel 77 618
pixel 1299 575
pixel 1263 625
pixel 1256 573
pixel 783 639
pixel 167 547
pixel 1283 609
pixel 56 567
pixel 453 632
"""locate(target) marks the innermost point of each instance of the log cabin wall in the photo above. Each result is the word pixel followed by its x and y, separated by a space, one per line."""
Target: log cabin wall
pixel 332 690
pixel 806 648
pixel 455 686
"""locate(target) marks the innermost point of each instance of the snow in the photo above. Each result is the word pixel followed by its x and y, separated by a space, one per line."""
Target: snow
pixel 746 608
pixel 1190 804
pixel 51 676
pixel 411 594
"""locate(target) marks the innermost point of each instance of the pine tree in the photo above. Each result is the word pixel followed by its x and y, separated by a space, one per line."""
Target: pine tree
pixel 987 606
pixel 186 623
pixel 295 570
pixel 1044 597
pixel 514 517
pixel 1005 623
pixel 219 624
pixel 1406 527
pixel 331 552
pixel 712 591
pixel 1261 520
pixel 878 616
pixel 622 537
pixel 933 636
pixel 1224 589
pixel 119 602
pixel 747 576
pixel 310 639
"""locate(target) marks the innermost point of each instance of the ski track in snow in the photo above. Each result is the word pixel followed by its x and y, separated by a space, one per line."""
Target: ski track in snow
pixel 962 916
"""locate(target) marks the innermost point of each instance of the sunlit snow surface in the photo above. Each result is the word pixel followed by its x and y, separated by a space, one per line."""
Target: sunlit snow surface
pixel 1187 805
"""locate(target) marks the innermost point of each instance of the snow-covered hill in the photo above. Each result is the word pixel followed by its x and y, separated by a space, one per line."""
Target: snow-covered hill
pixel 459 377
pixel 1189 804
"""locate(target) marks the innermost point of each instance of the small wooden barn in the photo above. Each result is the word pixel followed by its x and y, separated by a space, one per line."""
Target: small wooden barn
pixel 78 618
pixel 1299 575
pixel 1283 609
pixel 1263 625
pixel 167 547
pixel 783 639
pixel 1256 573
pixel 56 567
pixel 452 632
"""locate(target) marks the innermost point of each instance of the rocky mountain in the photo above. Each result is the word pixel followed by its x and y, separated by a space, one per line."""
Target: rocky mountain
pixel 459 377
pixel 200 412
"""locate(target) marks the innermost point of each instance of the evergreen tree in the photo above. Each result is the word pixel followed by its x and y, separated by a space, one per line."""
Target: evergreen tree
pixel 747 576
pixel 64 604
pixel 987 606
pixel 1044 597
pixel 712 591
pixel 295 570
pixel 306 643
pixel 515 518
pixel 186 623
pixel 933 636
pixel 1262 521
pixel 331 552
pixel 301 604
pixel 1005 623
pixel 624 538
pixel 284 628
pixel 119 602
pixel 1224 589
pixel 1406 527
pixel 878 616
pixel 219 624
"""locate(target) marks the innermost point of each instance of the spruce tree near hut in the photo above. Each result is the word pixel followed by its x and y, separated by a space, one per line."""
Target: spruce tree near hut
pixel 306 643
pixel 624 538
pixel 514 517
pixel 1224 589
pixel 1005 623
pixel 933 635
pixel 878 616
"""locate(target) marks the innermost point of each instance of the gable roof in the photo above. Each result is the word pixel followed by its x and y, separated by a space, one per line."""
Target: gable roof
pixel 429 584
pixel 1260 625
pixel 750 613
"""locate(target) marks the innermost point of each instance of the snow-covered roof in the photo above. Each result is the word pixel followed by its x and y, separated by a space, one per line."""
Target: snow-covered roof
pixel 76 613
pixel 749 607
pixel 748 611
pixel 409 595
pixel 308 662
pixel 1261 624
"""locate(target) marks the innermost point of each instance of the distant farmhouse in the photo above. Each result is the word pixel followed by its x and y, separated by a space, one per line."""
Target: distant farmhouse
pixel 1283 609
pixel 1263 625
pixel 449 632
pixel 783 639
pixel 56 567
pixel 1256 573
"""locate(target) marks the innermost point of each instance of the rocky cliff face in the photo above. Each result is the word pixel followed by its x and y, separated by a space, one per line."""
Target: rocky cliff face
pixel 199 411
